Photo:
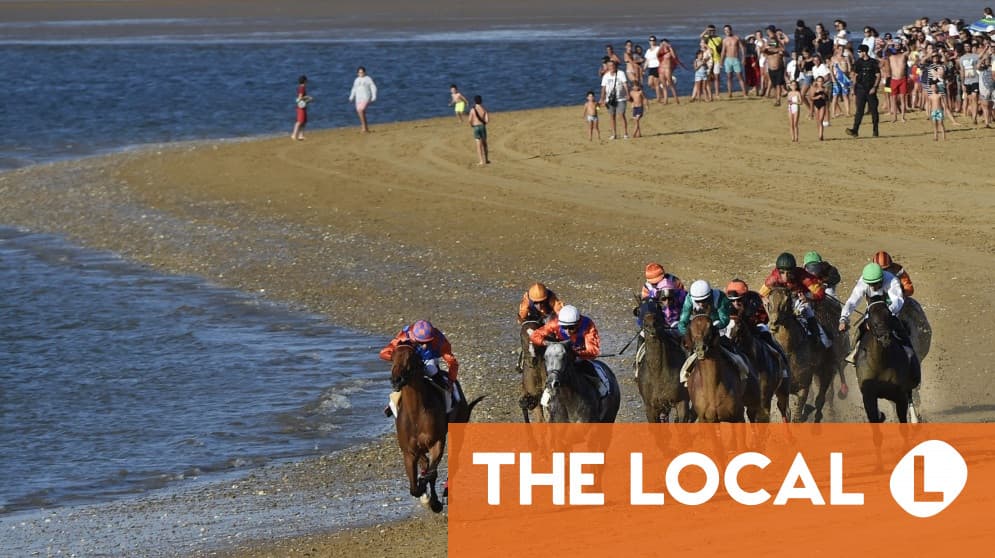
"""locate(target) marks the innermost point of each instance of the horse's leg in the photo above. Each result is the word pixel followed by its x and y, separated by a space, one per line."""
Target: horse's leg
pixel 820 398
pixel 652 413
pixel 435 453
pixel 411 468
pixel 798 413
pixel 902 406
pixel 874 415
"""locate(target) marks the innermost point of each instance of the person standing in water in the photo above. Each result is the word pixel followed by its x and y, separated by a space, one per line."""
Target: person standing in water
pixel 364 92
pixel 478 121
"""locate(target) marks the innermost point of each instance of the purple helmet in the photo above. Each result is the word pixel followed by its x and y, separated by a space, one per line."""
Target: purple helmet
pixel 422 331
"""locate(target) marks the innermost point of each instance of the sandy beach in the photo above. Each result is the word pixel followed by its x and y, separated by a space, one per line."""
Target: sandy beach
pixel 379 229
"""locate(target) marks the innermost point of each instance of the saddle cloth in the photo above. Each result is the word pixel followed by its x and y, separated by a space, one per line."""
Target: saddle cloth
pixel 604 384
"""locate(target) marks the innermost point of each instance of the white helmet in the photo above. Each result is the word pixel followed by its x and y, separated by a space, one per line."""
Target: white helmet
pixel 700 290
pixel 568 315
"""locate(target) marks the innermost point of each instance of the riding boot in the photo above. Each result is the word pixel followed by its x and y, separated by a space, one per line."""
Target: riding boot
pixel 640 354
pixel 852 357
pixel 815 329
pixel 769 339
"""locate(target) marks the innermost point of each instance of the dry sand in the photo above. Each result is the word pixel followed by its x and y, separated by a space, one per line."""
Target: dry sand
pixel 376 230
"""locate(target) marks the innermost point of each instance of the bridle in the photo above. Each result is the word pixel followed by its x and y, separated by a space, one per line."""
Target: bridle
pixel 404 377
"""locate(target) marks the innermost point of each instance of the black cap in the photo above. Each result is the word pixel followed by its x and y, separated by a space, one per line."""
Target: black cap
pixel 863 48
pixel 800 23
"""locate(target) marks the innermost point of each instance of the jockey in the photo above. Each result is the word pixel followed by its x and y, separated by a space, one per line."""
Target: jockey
pixel 806 286
pixel 873 281
pixel 884 260
pixel 569 325
pixel 655 275
pixel 825 271
pixel 431 345
pixel 704 299
pixel 748 306
pixel 670 294
pixel 538 303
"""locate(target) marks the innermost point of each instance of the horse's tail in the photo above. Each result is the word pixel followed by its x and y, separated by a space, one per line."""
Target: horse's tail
pixel 469 410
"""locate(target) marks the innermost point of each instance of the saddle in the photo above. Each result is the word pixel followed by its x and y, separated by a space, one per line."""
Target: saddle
pixel 596 374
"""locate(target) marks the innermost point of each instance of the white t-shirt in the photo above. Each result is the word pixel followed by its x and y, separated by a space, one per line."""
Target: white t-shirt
pixel 842 37
pixel 869 42
pixel 651 59
pixel 821 70
pixel 616 80
pixel 363 90
pixel 952 30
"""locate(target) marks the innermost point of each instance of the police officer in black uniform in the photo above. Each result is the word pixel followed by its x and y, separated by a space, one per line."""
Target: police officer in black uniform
pixel 866 75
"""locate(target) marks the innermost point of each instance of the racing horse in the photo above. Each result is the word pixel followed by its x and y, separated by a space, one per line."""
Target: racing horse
pixel 533 369
pixel 768 366
pixel 714 383
pixel 660 367
pixel 808 358
pixel 421 422
pixel 574 395
pixel 885 370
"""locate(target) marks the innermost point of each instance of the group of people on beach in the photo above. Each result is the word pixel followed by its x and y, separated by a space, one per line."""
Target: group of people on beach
pixel 363 92
pixel 942 67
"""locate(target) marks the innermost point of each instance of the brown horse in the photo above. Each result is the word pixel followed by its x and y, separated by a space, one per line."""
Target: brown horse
pixel 421 422
pixel 714 385
pixel 533 374
pixel 660 368
pixel 808 358
pixel 828 311
pixel 768 366
pixel 884 369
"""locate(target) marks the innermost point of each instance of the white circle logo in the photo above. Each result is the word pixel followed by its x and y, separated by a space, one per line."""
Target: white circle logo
pixel 928 478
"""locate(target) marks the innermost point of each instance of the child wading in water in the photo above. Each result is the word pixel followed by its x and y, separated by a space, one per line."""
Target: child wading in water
pixel 794 101
pixel 591 115
pixel 638 99
pixel 936 113
pixel 302 101
pixel 458 102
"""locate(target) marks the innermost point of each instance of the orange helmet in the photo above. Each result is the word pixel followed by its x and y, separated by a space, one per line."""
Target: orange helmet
pixel 538 292
pixel 736 289
pixel 654 273
pixel 883 259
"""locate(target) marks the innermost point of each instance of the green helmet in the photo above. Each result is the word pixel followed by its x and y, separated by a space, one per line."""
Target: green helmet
pixel 786 261
pixel 812 257
pixel 872 273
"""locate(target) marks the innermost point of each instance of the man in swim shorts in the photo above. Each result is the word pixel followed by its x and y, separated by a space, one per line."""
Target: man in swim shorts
pixel 458 102
pixel 732 54
pixel 774 51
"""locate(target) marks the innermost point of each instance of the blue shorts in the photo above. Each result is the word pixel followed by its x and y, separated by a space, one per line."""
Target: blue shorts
pixel 732 65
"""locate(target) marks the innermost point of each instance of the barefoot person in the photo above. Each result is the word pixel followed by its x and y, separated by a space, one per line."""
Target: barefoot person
pixel 638 99
pixel 364 92
pixel 936 112
pixel 653 66
pixel 794 108
pixel 819 98
pixel 458 102
pixel 302 101
pixel 614 93
pixel 898 61
pixel 774 51
pixel 591 116
pixel 478 121
pixel 732 55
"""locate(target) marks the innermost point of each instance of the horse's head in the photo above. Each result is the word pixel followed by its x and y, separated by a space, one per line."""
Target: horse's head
pixel 405 364
pixel 780 306
pixel 651 314
pixel 879 320
pixel 559 359
pixel 702 335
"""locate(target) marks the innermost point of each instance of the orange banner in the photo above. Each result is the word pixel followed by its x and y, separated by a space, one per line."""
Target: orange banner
pixel 715 490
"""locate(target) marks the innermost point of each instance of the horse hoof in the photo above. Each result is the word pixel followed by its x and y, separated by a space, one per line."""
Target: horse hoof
pixel 436 506
pixel 843 392
pixel 880 416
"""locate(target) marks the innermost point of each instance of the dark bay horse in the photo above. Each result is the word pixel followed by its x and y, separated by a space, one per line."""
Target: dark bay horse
pixel 570 396
pixel 884 368
pixel 768 367
pixel 421 422
pixel 533 374
pixel 808 358
pixel 660 367
pixel 714 384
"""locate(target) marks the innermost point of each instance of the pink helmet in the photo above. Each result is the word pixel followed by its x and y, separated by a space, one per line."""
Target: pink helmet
pixel 666 287
pixel 422 331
